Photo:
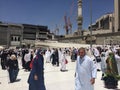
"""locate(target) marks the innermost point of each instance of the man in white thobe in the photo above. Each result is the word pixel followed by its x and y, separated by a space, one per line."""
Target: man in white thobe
pixel 85 72
pixel 27 59
pixel 47 56
pixel 97 54
pixel 117 57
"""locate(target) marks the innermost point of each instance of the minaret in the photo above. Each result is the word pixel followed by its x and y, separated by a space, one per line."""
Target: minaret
pixel 80 18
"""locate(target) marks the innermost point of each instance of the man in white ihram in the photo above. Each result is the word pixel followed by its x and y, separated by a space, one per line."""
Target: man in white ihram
pixel 85 72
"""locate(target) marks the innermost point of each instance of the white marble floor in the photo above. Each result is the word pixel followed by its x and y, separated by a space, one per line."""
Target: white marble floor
pixel 54 79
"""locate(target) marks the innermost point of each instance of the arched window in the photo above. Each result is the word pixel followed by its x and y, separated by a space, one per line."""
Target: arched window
pixel 11 38
pixel 18 38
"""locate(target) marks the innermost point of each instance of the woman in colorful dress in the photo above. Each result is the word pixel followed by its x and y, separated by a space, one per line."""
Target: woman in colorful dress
pixel 111 74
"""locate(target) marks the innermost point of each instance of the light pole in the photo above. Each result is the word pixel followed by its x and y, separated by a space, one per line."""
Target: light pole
pixel 91 23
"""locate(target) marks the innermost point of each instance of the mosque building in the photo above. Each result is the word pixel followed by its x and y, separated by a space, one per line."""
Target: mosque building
pixel 107 27
pixel 12 34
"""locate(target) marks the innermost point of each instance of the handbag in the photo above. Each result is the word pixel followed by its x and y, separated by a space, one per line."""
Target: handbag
pixel 66 61
pixel 31 63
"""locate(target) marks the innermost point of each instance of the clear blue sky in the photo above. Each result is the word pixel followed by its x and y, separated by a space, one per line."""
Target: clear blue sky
pixel 51 12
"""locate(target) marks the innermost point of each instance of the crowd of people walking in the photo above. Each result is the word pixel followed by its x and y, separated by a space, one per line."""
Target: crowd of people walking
pixel 88 62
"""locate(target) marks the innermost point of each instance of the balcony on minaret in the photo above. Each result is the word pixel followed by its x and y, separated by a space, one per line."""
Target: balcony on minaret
pixel 80 20
pixel 80 3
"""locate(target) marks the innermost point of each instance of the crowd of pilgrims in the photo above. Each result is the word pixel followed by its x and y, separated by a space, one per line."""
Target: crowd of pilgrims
pixel 57 57
pixel 107 60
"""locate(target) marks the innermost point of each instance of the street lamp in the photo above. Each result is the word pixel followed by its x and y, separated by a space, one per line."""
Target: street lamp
pixel 91 23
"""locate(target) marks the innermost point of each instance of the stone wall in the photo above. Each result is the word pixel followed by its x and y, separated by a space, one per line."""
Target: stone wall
pixel 3 35
pixel 109 38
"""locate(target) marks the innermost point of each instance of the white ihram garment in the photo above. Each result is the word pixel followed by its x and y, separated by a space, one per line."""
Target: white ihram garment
pixel 96 54
pixel 47 56
pixel 27 57
pixel 63 65
pixel 84 72
pixel 118 62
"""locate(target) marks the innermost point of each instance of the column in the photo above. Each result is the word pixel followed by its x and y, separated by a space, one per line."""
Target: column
pixel 117 15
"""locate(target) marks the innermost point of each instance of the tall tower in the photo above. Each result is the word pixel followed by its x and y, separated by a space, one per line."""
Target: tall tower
pixel 117 15
pixel 80 18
